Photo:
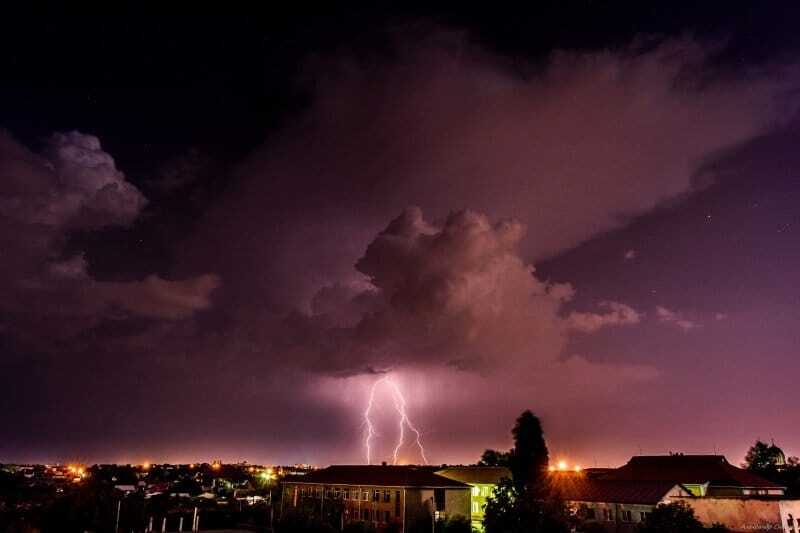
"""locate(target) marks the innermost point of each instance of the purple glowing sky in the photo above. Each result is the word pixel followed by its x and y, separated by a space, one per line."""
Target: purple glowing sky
pixel 609 239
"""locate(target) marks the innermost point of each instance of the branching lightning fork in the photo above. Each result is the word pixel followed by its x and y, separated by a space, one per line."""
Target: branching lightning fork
pixel 400 406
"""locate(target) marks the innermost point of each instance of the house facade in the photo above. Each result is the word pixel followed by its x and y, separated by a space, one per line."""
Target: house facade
pixel 399 498
pixel 619 506
pixel 717 491
pixel 482 481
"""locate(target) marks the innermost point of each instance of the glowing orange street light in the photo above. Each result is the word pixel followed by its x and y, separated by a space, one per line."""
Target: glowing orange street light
pixel 562 465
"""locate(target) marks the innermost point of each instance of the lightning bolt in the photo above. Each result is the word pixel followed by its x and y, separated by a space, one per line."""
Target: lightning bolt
pixel 370 428
pixel 400 406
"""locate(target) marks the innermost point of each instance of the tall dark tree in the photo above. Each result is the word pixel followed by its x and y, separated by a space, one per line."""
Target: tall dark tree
pixel 529 457
pixel 525 503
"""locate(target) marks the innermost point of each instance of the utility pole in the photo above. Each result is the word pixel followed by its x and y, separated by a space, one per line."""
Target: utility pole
pixel 403 530
pixel 433 514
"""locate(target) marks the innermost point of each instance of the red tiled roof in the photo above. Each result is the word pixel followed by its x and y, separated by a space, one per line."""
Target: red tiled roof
pixel 583 489
pixel 712 469
pixel 476 474
pixel 377 475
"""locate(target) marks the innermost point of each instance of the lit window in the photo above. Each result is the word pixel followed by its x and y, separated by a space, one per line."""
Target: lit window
pixel 376 496
pixel 476 508
pixel 476 491
pixel 627 516
pixel 643 515
pixel 365 495
pixel 346 494
pixel 387 495
pixel 486 491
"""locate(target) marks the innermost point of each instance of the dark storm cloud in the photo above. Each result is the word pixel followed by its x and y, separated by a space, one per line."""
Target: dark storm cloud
pixel 316 284
pixel 572 150
pixel 313 294
pixel 456 295
pixel 47 292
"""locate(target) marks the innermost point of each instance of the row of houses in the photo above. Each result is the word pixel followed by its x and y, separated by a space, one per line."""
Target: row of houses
pixel 411 498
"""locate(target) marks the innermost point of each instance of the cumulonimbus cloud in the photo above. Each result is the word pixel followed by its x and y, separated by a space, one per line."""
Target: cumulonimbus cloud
pixel 454 294
pixel 571 148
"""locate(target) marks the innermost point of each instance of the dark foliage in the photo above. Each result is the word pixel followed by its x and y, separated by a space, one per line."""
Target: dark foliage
pixel 769 461
pixel 525 503
pixel 456 524
pixel 494 458
pixel 676 517
pixel 529 457
pixel 299 522
pixel 359 527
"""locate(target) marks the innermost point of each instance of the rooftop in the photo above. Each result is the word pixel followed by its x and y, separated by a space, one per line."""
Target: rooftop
pixel 476 474
pixel 691 469
pixel 377 475
pixel 583 489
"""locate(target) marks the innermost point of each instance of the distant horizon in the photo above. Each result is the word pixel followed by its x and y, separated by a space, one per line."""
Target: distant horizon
pixel 225 460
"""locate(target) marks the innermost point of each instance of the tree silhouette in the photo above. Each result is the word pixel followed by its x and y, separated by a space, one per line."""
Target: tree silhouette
pixel 529 457
pixel 676 517
pixel 525 503
pixel 764 458
pixel 494 458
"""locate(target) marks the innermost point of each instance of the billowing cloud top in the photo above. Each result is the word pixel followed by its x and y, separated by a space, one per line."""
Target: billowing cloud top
pixel 452 294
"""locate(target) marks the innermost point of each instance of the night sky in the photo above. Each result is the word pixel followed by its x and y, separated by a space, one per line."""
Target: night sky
pixel 217 233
